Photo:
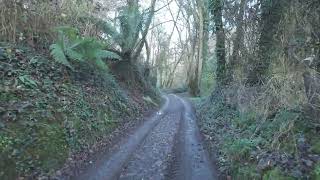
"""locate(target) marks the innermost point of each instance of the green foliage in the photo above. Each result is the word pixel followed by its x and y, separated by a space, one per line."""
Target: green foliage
pixel 316 147
pixel 316 171
pixel 130 25
pixel 58 54
pixel 239 149
pixel 245 172
pixel 245 120
pixel 30 144
pixel 275 174
pixel 37 139
pixel 27 81
pixel 126 31
pixel 70 45
pixel 208 81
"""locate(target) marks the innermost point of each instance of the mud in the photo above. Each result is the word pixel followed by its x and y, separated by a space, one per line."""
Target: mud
pixel 166 146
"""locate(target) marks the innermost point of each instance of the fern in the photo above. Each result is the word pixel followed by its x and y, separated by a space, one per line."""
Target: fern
pixel 110 30
pixel 58 54
pixel 99 62
pixel 70 46
pixel 74 55
pixel 125 32
pixel 107 54
pixel 130 25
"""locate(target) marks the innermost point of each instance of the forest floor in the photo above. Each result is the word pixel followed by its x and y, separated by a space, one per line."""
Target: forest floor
pixel 166 146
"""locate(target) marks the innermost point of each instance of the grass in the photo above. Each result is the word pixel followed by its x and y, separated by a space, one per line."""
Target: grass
pixel 275 174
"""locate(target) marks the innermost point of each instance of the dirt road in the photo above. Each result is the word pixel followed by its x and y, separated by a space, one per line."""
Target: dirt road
pixel 166 146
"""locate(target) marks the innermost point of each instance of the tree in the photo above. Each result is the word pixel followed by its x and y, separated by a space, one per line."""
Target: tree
pixel 128 35
pixel 238 41
pixel 216 11
pixel 271 15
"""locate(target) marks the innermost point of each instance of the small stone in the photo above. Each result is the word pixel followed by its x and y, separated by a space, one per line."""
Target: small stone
pixel 58 173
pixel 314 157
pixel 307 162
pixel 158 163
pixel 297 173
pixel 42 178
pixel 264 164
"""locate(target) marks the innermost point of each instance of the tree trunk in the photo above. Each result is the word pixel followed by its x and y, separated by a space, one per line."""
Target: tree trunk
pixel 205 36
pixel 272 11
pixel 193 72
pixel 200 57
pixel 144 33
pixel 220 41
pixel 238 41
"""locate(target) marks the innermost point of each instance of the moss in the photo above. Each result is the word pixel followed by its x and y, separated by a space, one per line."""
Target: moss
pixel 275 174
pixel 51 149
pixel 67 114
pixel 316 146
pixel 7 96
pixel 316 172
pixel 27 146
pixel 7 165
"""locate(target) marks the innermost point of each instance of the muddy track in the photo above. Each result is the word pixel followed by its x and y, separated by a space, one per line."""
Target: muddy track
pixel 166 146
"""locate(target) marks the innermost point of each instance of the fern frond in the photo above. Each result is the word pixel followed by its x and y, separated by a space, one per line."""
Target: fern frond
pixel 74 55
pixel 99 62
pixel 110 30
pixel 76 43
pixel 70 46
pixel 108 55
pixel 58 55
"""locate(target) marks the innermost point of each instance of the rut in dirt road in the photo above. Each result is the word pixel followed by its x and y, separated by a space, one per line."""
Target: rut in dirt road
pixel 166 146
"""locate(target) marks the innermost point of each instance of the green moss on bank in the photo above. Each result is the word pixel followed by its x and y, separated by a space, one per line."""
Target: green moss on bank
pixel 48 112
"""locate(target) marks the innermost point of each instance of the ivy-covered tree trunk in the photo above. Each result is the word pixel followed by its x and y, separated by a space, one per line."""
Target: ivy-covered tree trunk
pixel 206 22
pixel 216 10
pixel 202 55
pixel 144 32
pixel 238 41
pixel 272 11
pixel 193 81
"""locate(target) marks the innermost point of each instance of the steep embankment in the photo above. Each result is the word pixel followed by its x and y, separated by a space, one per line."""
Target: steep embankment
pixel 50 115
pixel 283 146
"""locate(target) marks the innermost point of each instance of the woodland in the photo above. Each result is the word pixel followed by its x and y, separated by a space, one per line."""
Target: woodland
pixel 75 71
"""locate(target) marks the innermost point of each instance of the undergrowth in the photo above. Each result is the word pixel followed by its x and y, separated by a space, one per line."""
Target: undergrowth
pixel 250 142
pixel 48 112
